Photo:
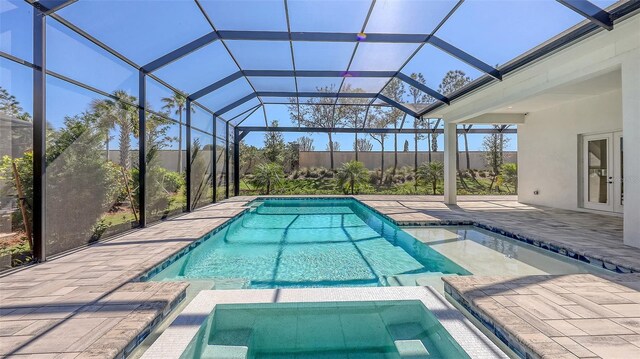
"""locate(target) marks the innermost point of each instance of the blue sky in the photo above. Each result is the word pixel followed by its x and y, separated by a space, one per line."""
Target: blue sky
pixel 494 31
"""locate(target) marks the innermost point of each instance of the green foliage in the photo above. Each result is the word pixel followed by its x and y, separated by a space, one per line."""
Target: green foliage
pixel 201 174
pixel 273 145
pixel 81 184
pixel 291 156
pixel 351 175
pixel 267 175
pixel 249 156
pixel 119 114
pixel 431 173
pixel 25 171
pixel 510 175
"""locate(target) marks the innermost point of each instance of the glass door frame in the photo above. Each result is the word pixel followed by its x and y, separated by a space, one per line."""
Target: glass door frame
pixel 608 205
pixel 618 173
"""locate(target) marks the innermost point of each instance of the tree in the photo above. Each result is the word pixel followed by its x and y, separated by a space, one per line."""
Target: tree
pixel 177 102
pixel 11 107
pixel 431 173
pixel 351 175
pixel 354 110
pixel 248 156
pixel 395 90
pixel 122 114
pixel 493 146
pixel 201 174
pixel 379 120
pixel 362 145
pixel 81 185
pixel 419 99
pixel 273 145
pixel 291 156
pixel 335 145
pixel 510 175
pixel 267 175
pixel 319 112
pixel 451 82
pixel 405 148
pixel 161 184
pixel 305 144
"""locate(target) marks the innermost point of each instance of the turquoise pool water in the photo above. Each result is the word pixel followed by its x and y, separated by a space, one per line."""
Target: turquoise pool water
pixel 309 243
pixel 389 329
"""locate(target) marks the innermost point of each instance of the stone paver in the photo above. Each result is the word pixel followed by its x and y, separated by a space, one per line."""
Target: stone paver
pixel 84 304
pixel 557 316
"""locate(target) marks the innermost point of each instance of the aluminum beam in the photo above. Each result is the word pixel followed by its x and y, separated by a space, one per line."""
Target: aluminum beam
pixel 590 11
pixel 214 86
pixel 180 52
pixel 422 87
pixel 463 56
pixel 50 6
pixel 39 134
pixel 248 129
pixel 236 104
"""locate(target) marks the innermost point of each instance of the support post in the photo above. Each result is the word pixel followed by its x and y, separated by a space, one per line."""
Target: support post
pixel 214 158
pixel 142 148
pixel 236 162
pixel 450 154
pixel 39 134
pixel 226 163
pixel 355 146
pixel 631 147
pixel 188 159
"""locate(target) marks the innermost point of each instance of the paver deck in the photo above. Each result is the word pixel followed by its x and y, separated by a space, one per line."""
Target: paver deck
pixel 85 304
pixel 571 316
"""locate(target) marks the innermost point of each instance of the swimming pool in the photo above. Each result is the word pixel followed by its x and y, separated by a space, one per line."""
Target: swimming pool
pixel 385 329
pixel 365 322
pixel 283 243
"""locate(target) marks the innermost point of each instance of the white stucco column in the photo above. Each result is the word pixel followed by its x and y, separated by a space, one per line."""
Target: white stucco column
pixel 450 153
pixel 631 148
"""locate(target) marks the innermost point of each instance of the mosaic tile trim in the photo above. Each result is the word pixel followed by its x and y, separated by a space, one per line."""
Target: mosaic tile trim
pixel 151 326
pixel 502 334
pixel 158 268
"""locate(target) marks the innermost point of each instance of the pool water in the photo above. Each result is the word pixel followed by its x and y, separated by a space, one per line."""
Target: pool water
pixel 384 329
pixel 486 253
pixel 310 243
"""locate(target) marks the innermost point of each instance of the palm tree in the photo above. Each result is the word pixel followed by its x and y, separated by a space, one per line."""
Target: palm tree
pixel 177 102
pixel 431 172
pixel 122 114
pixel 352 174
pixel 267 174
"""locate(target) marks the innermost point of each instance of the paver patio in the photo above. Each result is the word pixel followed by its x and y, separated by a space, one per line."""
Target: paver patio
pixel 85 304
pixel 571 316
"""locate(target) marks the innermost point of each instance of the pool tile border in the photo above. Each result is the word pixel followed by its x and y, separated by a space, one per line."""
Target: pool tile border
pixel 175 340
pixel 140 337
pixel 501 333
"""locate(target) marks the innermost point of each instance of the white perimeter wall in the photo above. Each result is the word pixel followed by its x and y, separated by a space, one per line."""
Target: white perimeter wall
pixel 548 147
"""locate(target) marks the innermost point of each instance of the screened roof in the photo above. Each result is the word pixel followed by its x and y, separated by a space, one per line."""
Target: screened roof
pixel 235 57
